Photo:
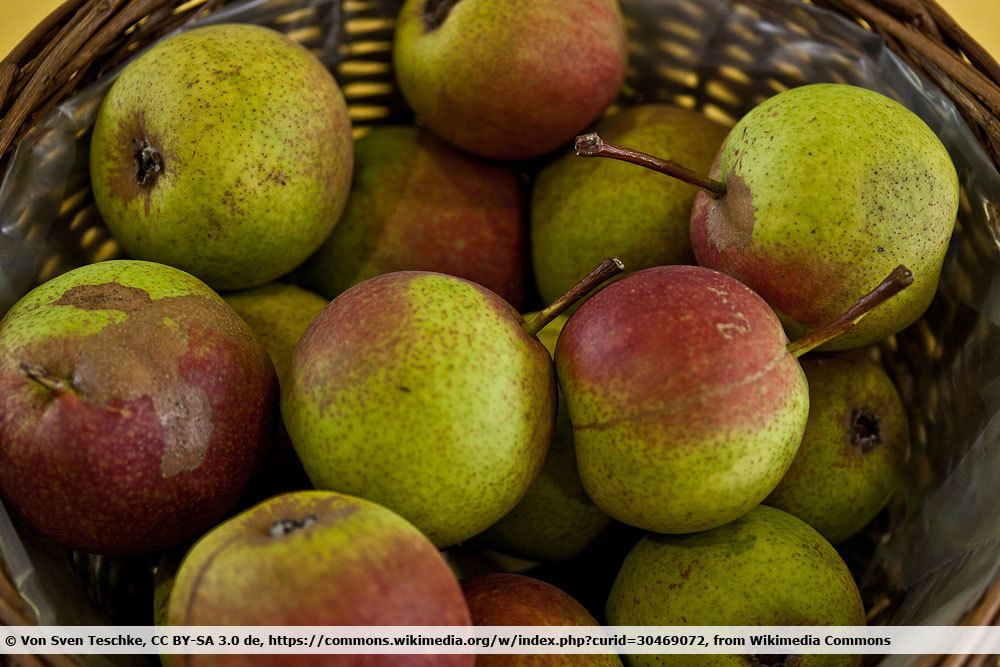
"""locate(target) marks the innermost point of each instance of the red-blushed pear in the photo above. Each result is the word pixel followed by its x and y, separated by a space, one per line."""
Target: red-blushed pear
pixel 428 394
pixel 512 79
pixel 513 599
pixel 816 194
pixel 418 204
pixel 317 558
pixel 134 404
pixel 687 401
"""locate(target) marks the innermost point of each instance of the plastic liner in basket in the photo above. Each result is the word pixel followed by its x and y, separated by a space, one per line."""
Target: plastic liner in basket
pixel 722 57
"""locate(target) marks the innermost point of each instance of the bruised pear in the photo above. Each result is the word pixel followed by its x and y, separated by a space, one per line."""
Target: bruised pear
pixel 817 194
pixel 512 79
pixel 134 404
pixel 225 151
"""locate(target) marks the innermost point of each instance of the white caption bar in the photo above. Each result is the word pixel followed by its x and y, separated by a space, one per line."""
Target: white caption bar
pixel 748 640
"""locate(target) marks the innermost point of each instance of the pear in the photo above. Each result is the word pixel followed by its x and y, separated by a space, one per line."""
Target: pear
pixel 583 208
pixel 512 79
pixel 317 558
pixel 134 405
pixel 765 568
pixel 225 151
pixel 512 599
pixel 815 195
pixel 556 519
pixel 278 314
pixel 687 402
pixel 417 204
pixel 853 450
pixel 428 394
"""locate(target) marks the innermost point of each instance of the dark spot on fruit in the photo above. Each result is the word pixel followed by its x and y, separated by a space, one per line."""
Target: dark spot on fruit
pixel 108 296
pixel 283 527
pixel 405 390
pixel 148 162
pixel 865 430
pixel 436 11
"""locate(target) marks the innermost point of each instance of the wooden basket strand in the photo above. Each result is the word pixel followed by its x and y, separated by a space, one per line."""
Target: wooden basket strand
pixel 83 39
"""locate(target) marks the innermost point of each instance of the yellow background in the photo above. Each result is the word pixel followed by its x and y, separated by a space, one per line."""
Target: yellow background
pixel 980 17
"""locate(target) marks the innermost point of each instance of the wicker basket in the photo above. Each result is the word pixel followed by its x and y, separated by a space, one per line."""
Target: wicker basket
pixel 942 364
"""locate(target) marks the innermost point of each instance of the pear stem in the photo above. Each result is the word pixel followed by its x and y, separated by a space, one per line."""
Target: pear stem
pixel 609 268
pixel 900 278
pixel 591 145
pixel 43 377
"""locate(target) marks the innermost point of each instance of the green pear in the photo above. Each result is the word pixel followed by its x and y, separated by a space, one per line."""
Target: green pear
pixel 417 204
pixel 815 195
pixel 765 568
pixel 853 450
pixel 581 210
pixel 278 314
pixel 556 519
pixel 225 151
pixel 512 79
pixel 428 394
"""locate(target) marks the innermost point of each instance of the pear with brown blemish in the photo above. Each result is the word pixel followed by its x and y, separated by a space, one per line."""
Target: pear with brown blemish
pixel 134 404
pixel 428 394
pixel 815 195
pixel 686 399
pixel 224 151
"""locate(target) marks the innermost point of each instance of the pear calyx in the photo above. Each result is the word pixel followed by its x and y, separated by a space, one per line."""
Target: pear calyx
pixel 436 11
pixel 148 162
pixel 283 527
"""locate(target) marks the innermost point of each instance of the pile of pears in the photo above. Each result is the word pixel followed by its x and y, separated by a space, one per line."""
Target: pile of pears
pixel 422 357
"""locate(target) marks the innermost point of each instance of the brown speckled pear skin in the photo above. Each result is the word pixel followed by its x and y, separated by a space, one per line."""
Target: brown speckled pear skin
pixel 512 79
pixel 585 210
pixel 225 151
pixel 513 599
pixel 765 568
pixel 317 558
pixel 853 450
pixel 134 404
pixel 687 408
pixel 829 188
pixel 417 204
pixel 424 393
pixel 556 519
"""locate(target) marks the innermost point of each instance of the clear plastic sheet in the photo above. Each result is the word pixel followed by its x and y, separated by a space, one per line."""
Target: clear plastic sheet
pixel 724 57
